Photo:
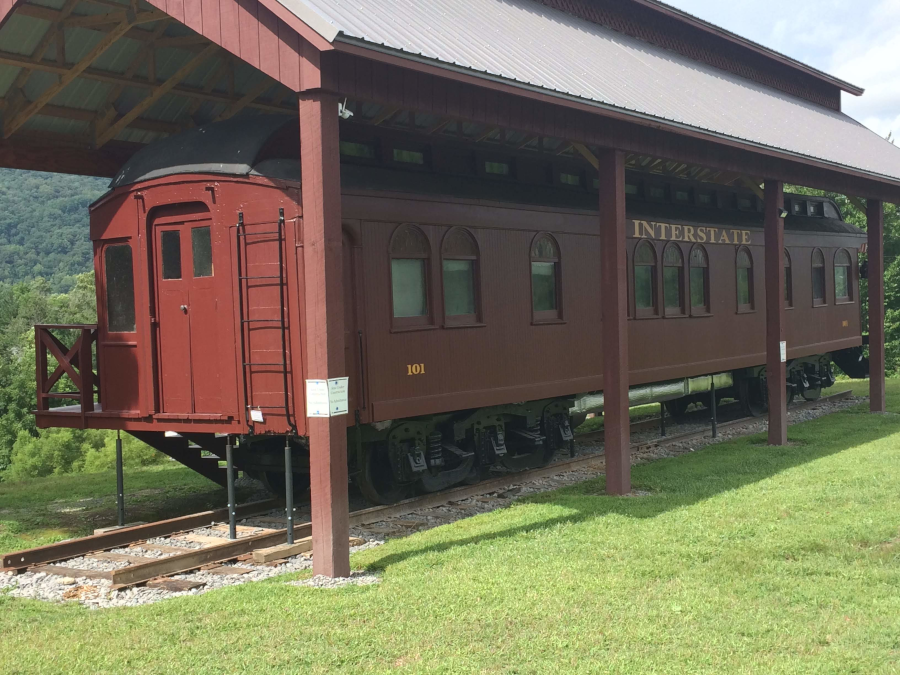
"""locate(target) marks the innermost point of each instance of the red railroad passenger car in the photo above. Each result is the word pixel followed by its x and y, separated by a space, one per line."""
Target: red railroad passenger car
pixel 472 301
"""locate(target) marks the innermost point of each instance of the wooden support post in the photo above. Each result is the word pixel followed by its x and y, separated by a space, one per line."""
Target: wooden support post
pixel 776 377
pixel 875 220
pixel 614 293
pixel 322 240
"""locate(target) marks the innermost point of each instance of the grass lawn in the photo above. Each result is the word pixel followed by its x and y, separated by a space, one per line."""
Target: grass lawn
pixel 742 559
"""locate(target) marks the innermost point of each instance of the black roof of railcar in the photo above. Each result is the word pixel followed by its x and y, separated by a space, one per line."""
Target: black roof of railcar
pixel 268 145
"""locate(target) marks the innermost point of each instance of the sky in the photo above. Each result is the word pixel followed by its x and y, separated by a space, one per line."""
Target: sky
pixel 855 40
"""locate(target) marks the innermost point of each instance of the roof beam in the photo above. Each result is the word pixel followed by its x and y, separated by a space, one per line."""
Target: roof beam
pixel 70 74
pixel 753 184
pixel 245 100
pixel 106 113
pixel 155 95
pixel 7 58
pixel 587 154
pixel 858 203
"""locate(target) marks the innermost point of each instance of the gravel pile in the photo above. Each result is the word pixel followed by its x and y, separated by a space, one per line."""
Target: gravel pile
pixel 355 579
pixel 97 593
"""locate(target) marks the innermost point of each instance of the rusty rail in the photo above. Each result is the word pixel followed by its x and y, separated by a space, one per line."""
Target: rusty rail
pixel 77 362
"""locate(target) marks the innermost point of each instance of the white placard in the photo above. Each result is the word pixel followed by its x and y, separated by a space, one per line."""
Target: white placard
pixel 338 398
pixel 783 346
pixel 256 415
pixel 327 398
pixel 317 398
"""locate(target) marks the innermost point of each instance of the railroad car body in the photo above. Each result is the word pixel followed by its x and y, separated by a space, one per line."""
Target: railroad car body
pixel 472 301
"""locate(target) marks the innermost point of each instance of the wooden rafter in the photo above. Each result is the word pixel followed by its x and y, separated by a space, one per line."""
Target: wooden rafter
pixel 155 95
pixel 753 184
pixel 585 152
pixel 209 83
pixel 487 133
pixel 858 203
pixel 439 126
pixel 564 147
pixel 70 74
pixel 55 35
pixel 82 115
pixel 384 115
pixel 107 113
pixel 528 140
pixel 255 92
pixel 94 74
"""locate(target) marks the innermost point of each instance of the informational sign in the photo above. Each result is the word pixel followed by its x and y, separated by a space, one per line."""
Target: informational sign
pixel 338 396
pixel 256 415
pixel 783 346
pixel 327 398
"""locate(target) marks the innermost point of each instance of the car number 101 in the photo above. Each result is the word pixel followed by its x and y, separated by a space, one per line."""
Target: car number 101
pixel 415 369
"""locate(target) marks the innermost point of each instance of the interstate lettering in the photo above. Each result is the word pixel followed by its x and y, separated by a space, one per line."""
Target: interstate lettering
pixel 644 229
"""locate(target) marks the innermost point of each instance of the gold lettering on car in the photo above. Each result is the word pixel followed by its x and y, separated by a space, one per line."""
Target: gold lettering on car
pixel 644 229
pixel 415 369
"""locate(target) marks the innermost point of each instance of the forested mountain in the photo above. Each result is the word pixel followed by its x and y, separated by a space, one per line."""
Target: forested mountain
pixel 44 226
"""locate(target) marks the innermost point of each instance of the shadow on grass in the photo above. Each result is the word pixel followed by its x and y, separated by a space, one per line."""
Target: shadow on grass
pixel 686 480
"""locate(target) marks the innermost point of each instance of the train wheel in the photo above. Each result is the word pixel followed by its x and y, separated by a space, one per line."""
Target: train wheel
pixel 812 393
pixel 376 479
pixel 753 396
pixel 274 483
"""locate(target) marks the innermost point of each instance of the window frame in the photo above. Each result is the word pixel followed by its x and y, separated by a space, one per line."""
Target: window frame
pixel 546 316
pixel 823 301
pixel 646 312
pixel 674 312
pixel 848 299
pixel 426 321
pixel 706 308
pixel 788 266
pixel 107 244
pixel 751 307
pixel 462 320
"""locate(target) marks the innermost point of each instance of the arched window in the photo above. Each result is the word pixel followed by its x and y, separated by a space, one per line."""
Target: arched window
pixel 744 280
pixel 818 277
pixel 459 259
pixel 673 280
pixel 699 280
pixel 645 279
pixel 545 279
pixel 410 253
pixel 788 281
pixel 842 285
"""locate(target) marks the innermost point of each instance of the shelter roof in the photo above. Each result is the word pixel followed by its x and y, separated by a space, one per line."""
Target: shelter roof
pixel 536 47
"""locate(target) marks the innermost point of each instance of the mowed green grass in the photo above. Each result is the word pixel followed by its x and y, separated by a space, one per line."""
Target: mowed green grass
pixel 741 559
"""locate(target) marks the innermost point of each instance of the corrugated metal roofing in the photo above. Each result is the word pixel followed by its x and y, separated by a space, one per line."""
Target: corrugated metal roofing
pixel 528 44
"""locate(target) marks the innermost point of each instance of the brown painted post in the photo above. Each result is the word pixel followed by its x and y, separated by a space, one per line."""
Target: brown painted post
pixel 774 270
pixel 614 294
pixel 321 196
pixel 875 218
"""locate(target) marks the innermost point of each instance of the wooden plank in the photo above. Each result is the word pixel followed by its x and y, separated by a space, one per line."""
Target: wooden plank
pixel 122 537
pixel 204 539
pixel 228 570
pixel 197 558
pixel 268 43
pixel 163 548
pixel 72 572
pixel 174 585
pixel 264 555
pixel 120 557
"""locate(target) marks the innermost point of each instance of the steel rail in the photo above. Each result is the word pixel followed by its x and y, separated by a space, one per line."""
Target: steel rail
pixel 228 550
pixel 74 548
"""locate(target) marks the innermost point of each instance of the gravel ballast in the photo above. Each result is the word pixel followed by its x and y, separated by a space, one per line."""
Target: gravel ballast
pixel 97 593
